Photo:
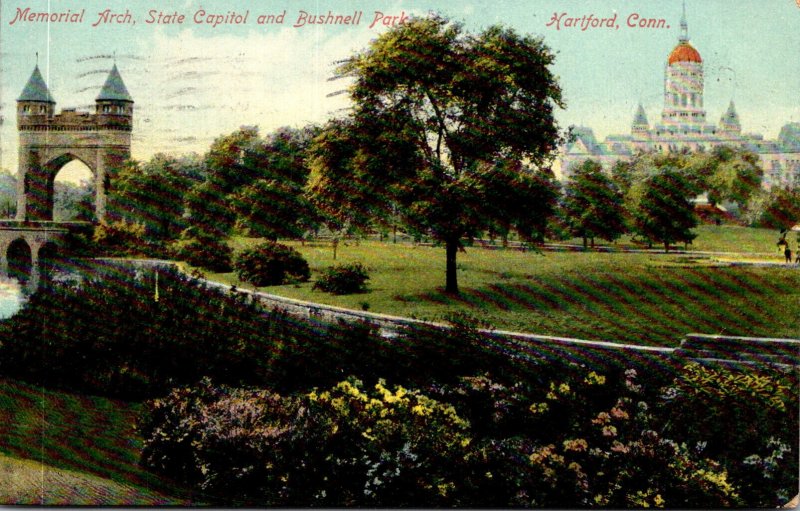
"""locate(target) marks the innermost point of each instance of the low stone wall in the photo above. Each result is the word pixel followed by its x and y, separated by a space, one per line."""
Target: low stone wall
pixel 530 347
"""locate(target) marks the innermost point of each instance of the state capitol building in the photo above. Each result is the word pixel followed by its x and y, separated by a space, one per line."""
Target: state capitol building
pixel 683 126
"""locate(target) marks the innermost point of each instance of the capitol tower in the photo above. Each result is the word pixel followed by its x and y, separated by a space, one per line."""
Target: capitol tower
pixel 683 86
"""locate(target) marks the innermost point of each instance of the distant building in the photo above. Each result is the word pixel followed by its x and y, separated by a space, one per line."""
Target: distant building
pixel 683 125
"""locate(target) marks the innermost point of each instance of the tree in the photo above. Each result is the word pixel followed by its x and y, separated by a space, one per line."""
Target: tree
pixel 665 213
pixel 73 201
pixel 152 193
pixel 229 164
pixel 274 205
pixel 441 123
pixel 782 209
pixel 592 204
pixel 727 173
pixel 8 194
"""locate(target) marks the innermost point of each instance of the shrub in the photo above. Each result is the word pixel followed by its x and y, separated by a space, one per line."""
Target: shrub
pixel 743 418
pixel 112 337
pixel 589 440
pixel 271 264
pixel 344 446
pixel 343 279
pixel 203 252
pixel 120 238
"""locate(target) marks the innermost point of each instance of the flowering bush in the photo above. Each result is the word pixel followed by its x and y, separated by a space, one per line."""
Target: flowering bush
pixel 742 418
pixel 339 447
pixel 580 439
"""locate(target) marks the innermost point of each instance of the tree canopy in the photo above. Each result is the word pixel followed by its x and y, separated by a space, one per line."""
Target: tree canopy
pixel 665 213
pixel 453 131
pixel 592 204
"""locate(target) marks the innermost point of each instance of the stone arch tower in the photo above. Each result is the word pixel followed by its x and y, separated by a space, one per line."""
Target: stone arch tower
pixel 48 141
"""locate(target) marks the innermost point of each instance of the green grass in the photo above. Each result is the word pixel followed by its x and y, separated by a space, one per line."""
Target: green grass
pixel 713 238
pixel 58 448
pixel 652 299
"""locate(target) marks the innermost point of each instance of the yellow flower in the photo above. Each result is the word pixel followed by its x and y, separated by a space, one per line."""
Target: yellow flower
pixel 420 410
pixel 537 408
pixel 595 379
pixel 577 444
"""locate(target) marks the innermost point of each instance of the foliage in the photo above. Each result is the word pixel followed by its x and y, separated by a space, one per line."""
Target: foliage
pixel 567 438
pixel 202 251
pixel 731 174
pixel 664 213
pixel 152 193
pixel 441 123
pixel 782 209
pixel 271 264
pixel 122 238
pixel 208 211
pixel 8 194
pixel 73 202
pixel 273 204
pixel 340 447
pixel 704 402
pixel 592 204
pixel 343 279
pixel 122 334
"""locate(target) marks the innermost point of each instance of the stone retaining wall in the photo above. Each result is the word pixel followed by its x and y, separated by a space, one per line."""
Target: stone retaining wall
pixel 529 347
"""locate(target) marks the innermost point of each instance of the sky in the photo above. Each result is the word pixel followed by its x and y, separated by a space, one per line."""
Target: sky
pixel 193 81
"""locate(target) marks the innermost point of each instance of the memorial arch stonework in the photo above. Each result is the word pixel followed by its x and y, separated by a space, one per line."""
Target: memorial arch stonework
pixel 48 141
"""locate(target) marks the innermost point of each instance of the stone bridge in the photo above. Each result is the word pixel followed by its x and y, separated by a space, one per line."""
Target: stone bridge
pixel 29 250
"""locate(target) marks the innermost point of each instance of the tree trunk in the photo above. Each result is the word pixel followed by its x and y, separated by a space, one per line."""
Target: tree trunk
pixel 666 246
pixel 451 287
pixel 592 242
pixel 585 242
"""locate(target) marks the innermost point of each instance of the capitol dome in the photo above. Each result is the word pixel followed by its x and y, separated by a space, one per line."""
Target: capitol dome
pixel 684 52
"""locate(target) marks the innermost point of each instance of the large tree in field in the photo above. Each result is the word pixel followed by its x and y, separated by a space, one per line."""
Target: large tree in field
pixel 592 204
pixel 665 213
pixel 453 131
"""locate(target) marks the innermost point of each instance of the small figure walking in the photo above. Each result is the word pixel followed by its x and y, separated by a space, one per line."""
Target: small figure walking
pixel 788 253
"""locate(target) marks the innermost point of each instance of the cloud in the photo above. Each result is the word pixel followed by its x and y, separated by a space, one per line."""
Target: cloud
pixel 201 87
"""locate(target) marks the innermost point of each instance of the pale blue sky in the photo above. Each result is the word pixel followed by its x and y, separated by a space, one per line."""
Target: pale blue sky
pixel 193 82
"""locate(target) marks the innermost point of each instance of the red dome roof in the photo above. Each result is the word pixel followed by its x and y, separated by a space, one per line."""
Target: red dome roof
pixel 684 52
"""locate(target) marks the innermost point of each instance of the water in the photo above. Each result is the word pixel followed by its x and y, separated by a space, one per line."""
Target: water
pixel 11 297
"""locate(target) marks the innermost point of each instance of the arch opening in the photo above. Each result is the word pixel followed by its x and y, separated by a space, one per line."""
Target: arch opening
pixel 74 193
pixel 19 261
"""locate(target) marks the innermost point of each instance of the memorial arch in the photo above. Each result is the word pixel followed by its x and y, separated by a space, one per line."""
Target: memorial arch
pixel 47 142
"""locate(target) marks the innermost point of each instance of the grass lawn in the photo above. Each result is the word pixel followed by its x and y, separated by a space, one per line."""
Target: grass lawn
pixel 651 299
pixel 713 238
pixel 58 448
